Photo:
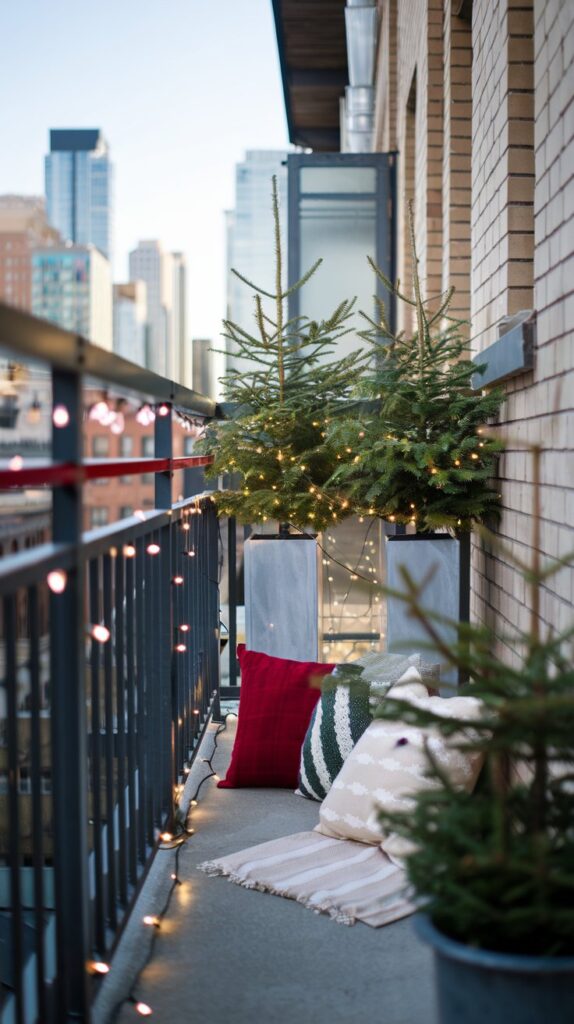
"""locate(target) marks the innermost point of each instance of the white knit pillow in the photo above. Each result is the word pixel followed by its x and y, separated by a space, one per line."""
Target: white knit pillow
pixel 389 764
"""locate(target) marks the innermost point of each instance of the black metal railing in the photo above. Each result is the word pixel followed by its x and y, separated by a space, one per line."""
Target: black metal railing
pixel 109 643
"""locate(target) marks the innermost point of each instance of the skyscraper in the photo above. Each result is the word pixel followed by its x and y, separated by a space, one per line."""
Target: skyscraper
pixel 250 238
pixel 130 321
pixel 79 187
pixel 165 276
pixel 71 286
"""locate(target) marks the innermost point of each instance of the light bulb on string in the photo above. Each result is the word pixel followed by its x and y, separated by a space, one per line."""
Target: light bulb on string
pixel 57 580
pixel 60 416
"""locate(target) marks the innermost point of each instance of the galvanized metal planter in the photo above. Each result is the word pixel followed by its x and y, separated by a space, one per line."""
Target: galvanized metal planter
pixel 282 596
pixel 477 985
pixel 447 592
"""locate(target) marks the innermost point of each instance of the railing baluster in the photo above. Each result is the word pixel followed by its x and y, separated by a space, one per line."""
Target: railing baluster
pixel 141 670
pixel 14 839
pixel 149 709
pixel 38 799
pixel 99 916
pixel 111 906
pixel 131 721
pixel 119 593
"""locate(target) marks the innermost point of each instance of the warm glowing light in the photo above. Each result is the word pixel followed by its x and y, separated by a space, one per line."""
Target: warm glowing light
pixel 151 920
pixel 196 712
pixel 143 1009
pixel 178 580
pixel 184 627
pixel 173 876
pixel 165 837
pixel 474 455
pixel 163 410
pixel 216 777
pixel 392 519
pixel 361 433
pixel 185 526
pixel 100 633
pixel 119 424
pixel 434 470
pixel 139 513
pixel 98 967
pixel 57 580
pixel 457 462
pixel 99 411
pixel 129 551
pixel 190 554
pixel 60 416
pixel 153 549
pixel 181 648
pixel 16 462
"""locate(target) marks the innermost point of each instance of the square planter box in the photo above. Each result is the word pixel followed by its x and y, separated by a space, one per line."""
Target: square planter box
pixel 282 596
pixel 448 592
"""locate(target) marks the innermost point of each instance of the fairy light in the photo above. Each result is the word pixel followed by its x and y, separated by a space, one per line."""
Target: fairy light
pixel 184 627
pixel 434 471
pixel 474 455
pixel 57 580
pixel 163 410
pixel 181 648
pixel 16 463
pixel 143 1009
pixel 191 553
pixel 178 580
pixel 151 920
pixel 185 526
pixel 60 416
pixel 100 633
pixel 153 549
pixel 129 551
pixel 98 967
pixel 457 462
pixel 166 837
pixel 99 411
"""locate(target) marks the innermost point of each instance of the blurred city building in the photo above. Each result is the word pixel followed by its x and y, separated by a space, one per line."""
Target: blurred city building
pixel 71 286
pixel 79 180
pixel 130 321
pixel 23 228
pixel 165 276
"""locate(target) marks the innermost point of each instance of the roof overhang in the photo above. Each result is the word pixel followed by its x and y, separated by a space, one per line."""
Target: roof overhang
pixel 313 58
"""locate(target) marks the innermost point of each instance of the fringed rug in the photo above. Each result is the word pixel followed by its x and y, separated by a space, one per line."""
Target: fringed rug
pixel 350 881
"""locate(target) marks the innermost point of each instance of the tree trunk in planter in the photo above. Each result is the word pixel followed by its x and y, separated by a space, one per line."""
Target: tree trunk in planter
pixel 448 592
pixel 477 986
pixel 282 596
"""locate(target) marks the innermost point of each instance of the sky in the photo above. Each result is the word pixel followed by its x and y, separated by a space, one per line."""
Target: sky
pixel 180 88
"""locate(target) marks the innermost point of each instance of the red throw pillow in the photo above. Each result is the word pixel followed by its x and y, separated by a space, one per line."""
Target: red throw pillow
pixel 275 708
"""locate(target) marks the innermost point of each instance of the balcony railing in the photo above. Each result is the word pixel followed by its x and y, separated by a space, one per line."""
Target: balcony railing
pixel 109 675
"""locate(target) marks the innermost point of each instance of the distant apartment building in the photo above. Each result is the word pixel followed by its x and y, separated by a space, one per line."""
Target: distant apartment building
pixel 203 375
pixel 23 228
pixel 71 286
pixel 130 321
pixel 181 346
pixel 249 232
pixel 165 276
pixel 79 179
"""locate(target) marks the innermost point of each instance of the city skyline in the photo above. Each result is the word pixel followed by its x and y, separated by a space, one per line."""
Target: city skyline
pixel 174 153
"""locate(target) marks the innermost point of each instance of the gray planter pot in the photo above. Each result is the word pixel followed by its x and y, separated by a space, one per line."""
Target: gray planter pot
pixel 448 591
pixel 282 596
pixel 475 986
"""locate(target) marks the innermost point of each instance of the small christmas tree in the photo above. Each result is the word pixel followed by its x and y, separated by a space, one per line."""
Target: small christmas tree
pixel 495 868
pixel 421 457
pixel 275 441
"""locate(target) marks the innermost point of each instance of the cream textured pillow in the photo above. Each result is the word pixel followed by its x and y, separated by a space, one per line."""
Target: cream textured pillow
pixel 389 764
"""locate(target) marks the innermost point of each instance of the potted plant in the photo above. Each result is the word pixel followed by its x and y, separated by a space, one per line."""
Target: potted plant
pixel 493 871
pixel 420 456
pixel 275 447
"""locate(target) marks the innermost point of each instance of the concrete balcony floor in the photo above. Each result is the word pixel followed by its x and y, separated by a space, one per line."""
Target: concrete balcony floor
pixel 227 954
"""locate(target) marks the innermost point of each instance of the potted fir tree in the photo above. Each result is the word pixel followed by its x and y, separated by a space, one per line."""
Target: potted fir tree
pixel 493 871
pixel 275 448
pixel 419 455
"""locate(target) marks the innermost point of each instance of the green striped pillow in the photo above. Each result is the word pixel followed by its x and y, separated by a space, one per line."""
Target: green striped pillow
pixel 339 720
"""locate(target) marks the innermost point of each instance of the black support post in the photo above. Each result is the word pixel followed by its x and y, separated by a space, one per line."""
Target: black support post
pixel 68 713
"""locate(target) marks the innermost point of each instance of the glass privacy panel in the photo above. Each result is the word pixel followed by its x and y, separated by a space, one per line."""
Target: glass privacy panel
pixel 338 179
pixel 343 233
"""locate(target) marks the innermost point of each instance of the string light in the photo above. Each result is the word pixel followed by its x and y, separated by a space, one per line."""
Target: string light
pixel 153 549
pixel 98 967
pixel 163 410
pixel 181 648
pixel 184 627
pixel 191 553
pixel 143 1009
pixel 129 551
pixel 60 416
pixel 16 463
pixel 474 455
pixel 151 920
pixel 57 580
pixel 166 837
pixel 178 580
pixel 100 633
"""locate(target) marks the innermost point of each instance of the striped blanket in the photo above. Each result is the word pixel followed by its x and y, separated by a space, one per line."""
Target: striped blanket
pixel 350 881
